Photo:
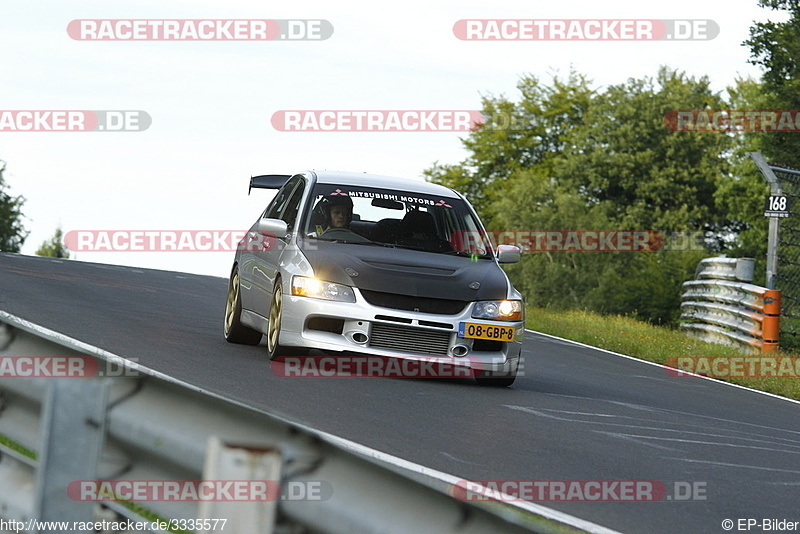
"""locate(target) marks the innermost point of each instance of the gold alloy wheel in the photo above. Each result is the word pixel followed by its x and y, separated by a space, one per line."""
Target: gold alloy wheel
pixel 274 330
pixel 230 304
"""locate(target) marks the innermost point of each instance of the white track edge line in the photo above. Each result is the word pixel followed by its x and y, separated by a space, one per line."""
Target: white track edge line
pixel 716 381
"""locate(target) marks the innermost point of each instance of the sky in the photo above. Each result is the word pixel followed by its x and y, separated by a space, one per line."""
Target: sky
pixel 211 102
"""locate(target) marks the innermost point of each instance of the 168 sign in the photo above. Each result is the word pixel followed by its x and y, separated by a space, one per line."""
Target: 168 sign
pixel 777 206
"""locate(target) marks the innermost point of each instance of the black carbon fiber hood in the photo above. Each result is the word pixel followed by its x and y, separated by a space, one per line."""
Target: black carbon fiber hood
pixel 406 272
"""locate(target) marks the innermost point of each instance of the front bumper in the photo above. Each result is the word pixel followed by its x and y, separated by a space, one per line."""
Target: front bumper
pixel 364 328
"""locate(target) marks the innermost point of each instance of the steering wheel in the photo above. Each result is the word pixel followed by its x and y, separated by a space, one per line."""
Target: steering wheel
pixel 345 234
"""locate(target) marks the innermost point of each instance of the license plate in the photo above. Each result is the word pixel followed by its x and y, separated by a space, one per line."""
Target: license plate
pixel 486 331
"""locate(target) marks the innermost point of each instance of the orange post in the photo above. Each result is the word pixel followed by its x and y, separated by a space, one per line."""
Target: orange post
pixel 767 348
pixel 770 326
pixel 772 302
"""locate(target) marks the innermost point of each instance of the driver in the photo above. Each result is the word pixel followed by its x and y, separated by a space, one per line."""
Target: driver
pixel 338 210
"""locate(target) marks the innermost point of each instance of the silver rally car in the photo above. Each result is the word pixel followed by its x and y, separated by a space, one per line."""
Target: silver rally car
pixel 359 263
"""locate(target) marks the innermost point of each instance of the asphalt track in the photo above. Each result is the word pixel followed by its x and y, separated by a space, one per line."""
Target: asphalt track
pixel 577 414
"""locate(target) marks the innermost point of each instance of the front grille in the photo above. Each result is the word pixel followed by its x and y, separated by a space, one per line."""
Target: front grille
pixel 420 304
pixel 409 339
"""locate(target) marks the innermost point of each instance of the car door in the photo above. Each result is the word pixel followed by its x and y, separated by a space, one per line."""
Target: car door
pixel 266 260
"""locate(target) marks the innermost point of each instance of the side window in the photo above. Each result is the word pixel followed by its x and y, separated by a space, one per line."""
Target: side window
pixel 293 205
pixel 275 207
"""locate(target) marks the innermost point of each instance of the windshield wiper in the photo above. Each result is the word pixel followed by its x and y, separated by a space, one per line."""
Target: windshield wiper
pixel 340 240
pixel 373 243
pixel 465 254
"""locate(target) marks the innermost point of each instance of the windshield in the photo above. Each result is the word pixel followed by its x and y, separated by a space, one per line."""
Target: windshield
pixel 382 217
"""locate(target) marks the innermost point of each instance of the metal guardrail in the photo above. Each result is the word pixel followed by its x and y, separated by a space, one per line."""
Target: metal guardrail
pixel 741 269
pixel 721 307
pixel 142 425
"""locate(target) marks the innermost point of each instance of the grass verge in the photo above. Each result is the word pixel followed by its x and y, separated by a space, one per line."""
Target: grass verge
pixel 656 344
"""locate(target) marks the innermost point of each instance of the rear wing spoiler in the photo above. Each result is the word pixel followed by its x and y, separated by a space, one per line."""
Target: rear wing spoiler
pixel 268 181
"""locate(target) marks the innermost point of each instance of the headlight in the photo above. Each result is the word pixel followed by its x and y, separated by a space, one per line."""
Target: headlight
pixel 498 310
pixel 303 286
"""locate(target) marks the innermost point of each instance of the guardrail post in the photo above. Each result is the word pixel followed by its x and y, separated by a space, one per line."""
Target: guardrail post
pixel 241 462
pixel 774 222
pixel 73 426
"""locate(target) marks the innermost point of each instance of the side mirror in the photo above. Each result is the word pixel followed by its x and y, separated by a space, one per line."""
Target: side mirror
pixel 263 235
pixel 272 227
pixel 508 253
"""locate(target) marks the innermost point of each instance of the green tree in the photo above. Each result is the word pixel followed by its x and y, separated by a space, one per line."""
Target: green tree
pixel 54 247
pixel 12 232
pixel 600 160
pixel 647 175
pixel 742 194
pixel 775 46
pixel 516 136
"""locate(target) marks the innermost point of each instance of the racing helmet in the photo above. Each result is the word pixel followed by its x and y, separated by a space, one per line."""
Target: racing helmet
pixel 336 199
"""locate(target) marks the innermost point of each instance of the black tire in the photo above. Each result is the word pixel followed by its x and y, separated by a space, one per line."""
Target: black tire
pixel 498 380
pixel 234 330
